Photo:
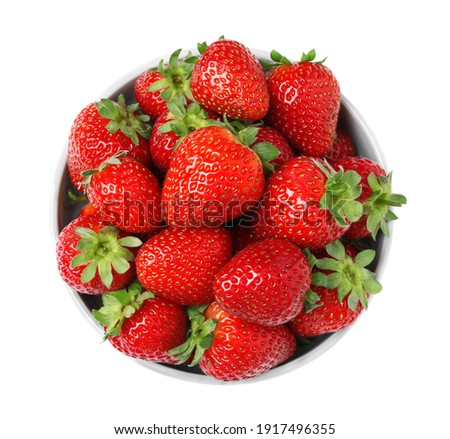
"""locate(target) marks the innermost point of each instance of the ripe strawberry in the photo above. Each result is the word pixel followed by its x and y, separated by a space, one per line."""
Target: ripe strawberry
pixel 101 130
pixel 150 102
pixel 264 283
pixel 341 285
pixel 341 148
pixel 154 88
pixel 271 147
pixel 172 126
pixel 126 194
pixel 87 209
pixel 212 179
pixel 92 256
pixel 332 315
pixel 304 102
pixel 376 196
pixel 229 348
pixel 309 204
pixel 180 264
pixel 141 325
pixel 229 80
pixel 271 135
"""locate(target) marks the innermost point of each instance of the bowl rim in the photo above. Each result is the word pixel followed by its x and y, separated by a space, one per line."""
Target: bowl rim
pixel 181 374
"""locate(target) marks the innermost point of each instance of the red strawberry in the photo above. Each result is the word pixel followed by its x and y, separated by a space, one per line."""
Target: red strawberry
pixel 162 143
pixel 87 209
pixel 309 204
pixel 126 194
pixel 332 315
pixel 265 283
pixel 154 88
pixel 304 102
pixel 171 127
pixel 92 256
pixel 376 196
pixel 150 102
pixel 103 129
pixel 341 148
pixel 180 264
pixel 141 325
pixel 228 79
pixel 212 179
pixel 229 348
pixel 341 286
pixel 271 135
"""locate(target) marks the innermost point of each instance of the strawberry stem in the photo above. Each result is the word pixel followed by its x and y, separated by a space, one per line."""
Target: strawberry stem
pixel 176 82
pixel 342 191
pixel 128 119
pixel 185 120
pixel 118 306
pixel 102 252
pixel 277 59
pixel 377 207
pixel 349 276
pixel 199 338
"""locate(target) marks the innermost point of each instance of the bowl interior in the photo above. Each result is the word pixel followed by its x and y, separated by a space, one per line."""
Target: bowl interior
pixel 64 211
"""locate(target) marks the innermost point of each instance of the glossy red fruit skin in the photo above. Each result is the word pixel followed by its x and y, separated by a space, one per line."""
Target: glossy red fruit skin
pixel 87 209
pixel 304 105
pixel 127 195
pixel 180 264
pixel 212 179
pixel 291 206
pixel 162 144
pixel 242 350
pixel 269 134
pixel 156 327
pixel 341 148
pixel 90 144
pixel 66 250
pixel 228 79
pixel 264 283
pixel 329 317
pixel 150 102
pixel 364 167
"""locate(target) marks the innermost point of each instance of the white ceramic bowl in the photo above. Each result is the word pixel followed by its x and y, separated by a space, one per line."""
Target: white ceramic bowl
pixel 63 212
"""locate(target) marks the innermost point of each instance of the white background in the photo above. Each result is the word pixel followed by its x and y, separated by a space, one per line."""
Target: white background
pixel 388 377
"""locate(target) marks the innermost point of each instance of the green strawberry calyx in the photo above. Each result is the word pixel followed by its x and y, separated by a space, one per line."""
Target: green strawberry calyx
pixel 176 81
pixel 199 337
pixel 312 299
pixel 102 252
pixel 342 189
pixel 377 207
pixel 125 118
pixel 277 59
pixel 247 135
pixel 201 47
pixel 118 306
pixel 113 160
pixel 349 276
pixel 184 120
pixel 75 197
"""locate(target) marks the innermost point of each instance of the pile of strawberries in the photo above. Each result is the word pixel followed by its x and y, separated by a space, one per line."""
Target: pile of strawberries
pixel 229 216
